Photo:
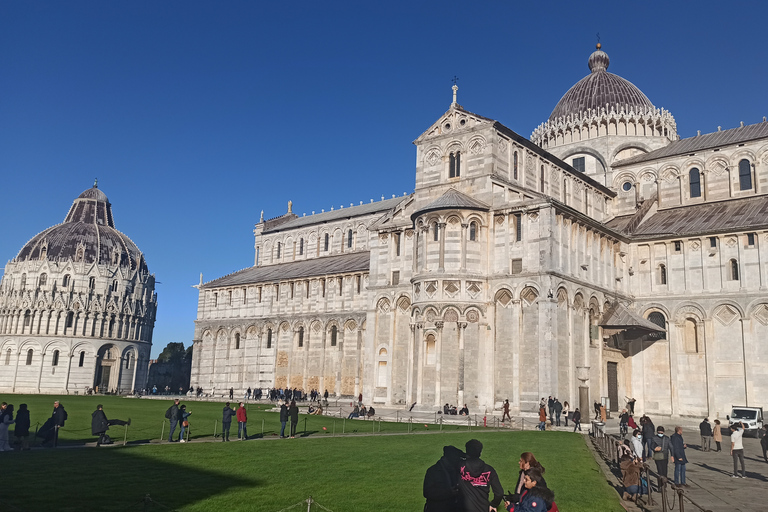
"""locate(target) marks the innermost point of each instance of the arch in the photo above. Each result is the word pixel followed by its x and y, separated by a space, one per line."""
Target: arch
pixel 745 174
pixel 689 308
pixel 383 305
pixel 528 295
pixel 658 318
pixel 403 302
pixel 587 151
pixel 732 304
pixel 451 314
pixel 334 330
pixel 430 348
pixel 562 297
pixel 629 145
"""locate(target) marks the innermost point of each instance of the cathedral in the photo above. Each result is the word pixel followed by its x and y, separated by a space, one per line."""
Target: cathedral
pixel 601 258
pixel 77 307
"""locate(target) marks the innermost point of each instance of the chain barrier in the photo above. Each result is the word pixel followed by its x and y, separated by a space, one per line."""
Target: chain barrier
pixel 308 502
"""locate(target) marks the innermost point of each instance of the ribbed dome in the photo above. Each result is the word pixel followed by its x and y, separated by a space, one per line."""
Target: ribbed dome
pixel 600 89
pixel 87 234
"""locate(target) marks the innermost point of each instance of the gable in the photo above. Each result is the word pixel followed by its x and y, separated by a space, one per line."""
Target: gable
pixel 456 119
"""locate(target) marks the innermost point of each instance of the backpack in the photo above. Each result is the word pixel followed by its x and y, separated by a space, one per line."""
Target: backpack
pixel 168 413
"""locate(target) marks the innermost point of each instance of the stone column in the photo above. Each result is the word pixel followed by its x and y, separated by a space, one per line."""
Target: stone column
pixel 69 370
pixel 135 367
pixel 460 380
pixel 464 250
pixel 40 373
pixel 415 259
pixel 358 362
pixel 438 358
pixel 420 364
pixel 424 237
pixel 441 233
pixel 410 369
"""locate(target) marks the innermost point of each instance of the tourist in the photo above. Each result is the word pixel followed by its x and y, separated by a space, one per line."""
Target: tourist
pixel 100 424
pixel 355 413
pixel 231 393
pixel 705 429
pixel 464 411
pixel 371 412
pixel 551 408
pixel 283 419
pixel 630 476
pixel 717 435
pixel 526 463
pixel 293 413
pixel 558 411
pixel 172 414
pixel 576 420
pixel 623 423
pixel 637 444
pixel 183 415
pixel 542 419
pixel 762 434
pixel 661 452
pixel 226 421
pixel 649 430
pixel 476 480
pixel 737 449
pixel 441 482
pixel 536 496
pixel 6 420
pixel 505 411
pixel 59 416
pixel 242 421
pixel 22 427
pixel 566 410
pixel 631 405
pixel 596 407
pixel 678 456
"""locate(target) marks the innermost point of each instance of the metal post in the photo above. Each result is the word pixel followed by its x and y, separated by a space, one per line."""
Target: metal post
pixel 334 427
pixel 305 427
pixel 215 424
pixel 162 432
pixel 441 424
pixel 125 437
pixel 373 427
pixel 262 428
pixel 344 425
pixel 397 417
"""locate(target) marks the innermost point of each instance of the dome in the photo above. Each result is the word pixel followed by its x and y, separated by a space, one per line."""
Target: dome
pixel 87 234
pixel 600 89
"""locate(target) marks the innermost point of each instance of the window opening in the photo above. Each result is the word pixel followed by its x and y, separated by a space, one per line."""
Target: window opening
pixel 514 166
pixel 8 357
pixel 455 165
pixel 279 249
pixel 658 319
pixel 694 182
pixel 734 270
pixel 745 175
pixel 472 231
pixel 327 240
pixel 30 352
pixel 541 178
pixel 750 239
pixel 269 338
pixel 662 274
pixel 301 337
pixel 397 243
pixel 43 279
pixel 713 242
pixel 81 362
pixel 678 246
pixel 64 281
pixel 435 232
pixel 301 247
pixel 580 164
pixel 518 227
pixel 333 335
pixel 237 340
pixel 395 277
pixel 349 239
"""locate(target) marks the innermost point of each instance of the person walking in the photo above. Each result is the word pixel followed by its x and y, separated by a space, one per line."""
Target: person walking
pixel 293 414
pixel 661 452
pixel 631 405
pixel 577 420
pixel 476 480
pixel 566 410
pixel 22 427
pixel 242 420
pixel 505 411
pixel 231 393
pixel 717 435
pixel 183 415
pixel 737 449
pixel 172 414
pixel 6 420
pixel 678 456
pixel 637 444
pixel 762 433
pixel 705 429
pixel 283 419
pixel 226 421
pixel 623 423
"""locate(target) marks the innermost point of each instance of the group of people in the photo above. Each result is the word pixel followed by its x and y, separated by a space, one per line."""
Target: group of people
pixel 556 411
pixel 49 431
pixel 451 410
pixel 463 482
pixel 360 411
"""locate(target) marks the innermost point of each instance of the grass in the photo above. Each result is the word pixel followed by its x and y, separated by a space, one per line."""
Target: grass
pixel 343 473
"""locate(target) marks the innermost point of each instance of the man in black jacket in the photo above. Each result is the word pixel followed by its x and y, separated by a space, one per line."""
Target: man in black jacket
pixel 476 480
pixel 441 483
pixel 293 413
pixel 58 418
pixel 662 452
pixel 283 419
pixel 705 429
pixel 173 416
pixel 226 421
pixel 100 424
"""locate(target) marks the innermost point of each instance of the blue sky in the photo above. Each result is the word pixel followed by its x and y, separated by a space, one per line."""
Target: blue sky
pixel 195 116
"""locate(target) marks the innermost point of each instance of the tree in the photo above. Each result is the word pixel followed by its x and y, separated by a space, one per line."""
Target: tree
pixel 173 368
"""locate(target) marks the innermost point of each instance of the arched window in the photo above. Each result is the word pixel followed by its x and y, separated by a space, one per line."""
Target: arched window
pixel 658 319
pixel 349 239
pixel 82 359
pixel 745 175
pixel 327 241
pixel 27 318
pixel 269 338
pixel 70 319
pixel 65 281
pixel 301 247
pixel 429 350
pixel 43 279
pixel 694 182
pixel 454 170
pixel 237 340
pixel 30 353
pixel 301 337
pixel 334 332
pixel 734 268
pixel 514 165
pixel 111 327
pixel 128 358
pixel 691 335
pixel 115 284
pixel 662 274
pixel 55 360
pixel 279 248
pixel 435 232
pixel 473 231
pixel 8 357
pixel 541 179
pixel 91 283
pixel 23 281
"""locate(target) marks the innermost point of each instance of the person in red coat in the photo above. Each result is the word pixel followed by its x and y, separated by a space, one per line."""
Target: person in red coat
pixel 242 419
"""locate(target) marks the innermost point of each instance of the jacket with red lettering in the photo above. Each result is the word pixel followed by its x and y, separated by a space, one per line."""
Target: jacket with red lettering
pixel 476 480
pixel 242 417
pixel 536 499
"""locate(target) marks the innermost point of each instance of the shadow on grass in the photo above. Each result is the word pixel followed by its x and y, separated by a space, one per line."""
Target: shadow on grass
pixel 112 479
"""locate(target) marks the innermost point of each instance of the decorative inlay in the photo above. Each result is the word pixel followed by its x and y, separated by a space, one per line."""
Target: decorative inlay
pixel 534 216
pixel 472 316
pixel 416 289
pixel 431 287
pixel 474 288
pixel 451 287
pixel 499 219
pixel 529 295
pixel 476 147
pixel 726 314
pixel 383 237
pixel 383 305
pixel 433 157
pixel 503 297
pixel 761 314
pixel 717 168
pixel 350 325
pixel 731 241
pixel 408 234
pixel 403 303
pixel 695 245
pixel 451 316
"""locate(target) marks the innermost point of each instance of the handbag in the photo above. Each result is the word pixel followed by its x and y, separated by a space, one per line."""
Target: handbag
pixel 185 423
pixel 659 455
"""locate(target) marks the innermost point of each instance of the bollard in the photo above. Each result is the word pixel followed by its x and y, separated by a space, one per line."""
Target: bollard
pixel 373 426
pixel 397 417
pixel 441 424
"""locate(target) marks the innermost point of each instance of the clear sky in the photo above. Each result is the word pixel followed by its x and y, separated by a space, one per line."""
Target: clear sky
pixel 195 116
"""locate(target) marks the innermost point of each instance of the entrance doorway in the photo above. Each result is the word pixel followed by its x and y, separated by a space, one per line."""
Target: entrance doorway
pixel 613 386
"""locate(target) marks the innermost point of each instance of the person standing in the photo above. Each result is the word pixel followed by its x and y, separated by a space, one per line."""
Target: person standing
pixel 242 420
pixel 737 449
pixel 231 393
pixel 172 414
pixel 226 421
pixel 596 407
pixel 566 410
pixel 505 411
pixel 576 420
pixel 705 429
pixel 476 480
pixel 623 423
pixel 283 419
pixel 551 408
pixel 441 483
pixel 6 420
pixel 648 432
pixel 22 427
pixel 558 411
pixel 59 416
pixel 183 415
pixel 678 456
pixel 717 435
pixel 762 433
pixel 542 418
pixel 637 445
pixel 293 413
pixel 661 452
pixel 631 405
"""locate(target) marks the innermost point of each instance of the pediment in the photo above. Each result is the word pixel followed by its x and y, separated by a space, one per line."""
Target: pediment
pixel 455 121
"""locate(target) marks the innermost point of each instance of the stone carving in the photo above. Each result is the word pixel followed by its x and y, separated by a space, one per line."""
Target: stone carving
pixel 761 313
pixel 431 288
pixel 350 325
pixel 499 219
pixel 504 297
pixel 409 234
pixel 695 245
pixel 451 316
pixel 474 288
pixel 731 241
pixel 533 216
pixel 403 303
pixel 472 316
pixel 726 314
pixel 383 237
pixel 416 289
pixel 431 315
pixel 383 305
pixel 476 147
pixel 529 295
pixel 451 287
pixel 433 157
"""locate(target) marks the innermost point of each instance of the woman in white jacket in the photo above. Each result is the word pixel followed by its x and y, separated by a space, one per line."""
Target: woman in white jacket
pixel 637 444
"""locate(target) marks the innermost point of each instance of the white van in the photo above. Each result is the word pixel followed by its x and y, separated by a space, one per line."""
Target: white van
pixel 751 417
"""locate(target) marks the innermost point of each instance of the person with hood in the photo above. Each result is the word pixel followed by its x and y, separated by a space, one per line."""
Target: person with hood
pixel 441 482
pixel 527 462
pixel 661 452
pixel 476 480
pixel 226 421
pixel 283 419
pixel 100 424
pixel 536 497
pixel 558 411
pixel 678 456
pixel 242 421
pixel 6 420
pixel 293 413
pixel 22 427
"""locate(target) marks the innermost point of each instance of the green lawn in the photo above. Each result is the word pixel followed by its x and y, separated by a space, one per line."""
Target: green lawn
pixel 342 473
